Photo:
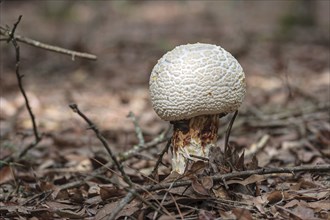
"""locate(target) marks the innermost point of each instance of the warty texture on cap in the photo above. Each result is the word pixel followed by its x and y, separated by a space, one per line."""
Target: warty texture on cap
pixel 196 79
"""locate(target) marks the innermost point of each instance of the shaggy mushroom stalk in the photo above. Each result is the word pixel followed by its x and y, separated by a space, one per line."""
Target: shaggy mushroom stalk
pixel 193 137
pixel 192 86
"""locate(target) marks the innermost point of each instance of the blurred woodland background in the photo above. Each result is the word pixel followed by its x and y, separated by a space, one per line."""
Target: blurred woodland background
pixel 283 47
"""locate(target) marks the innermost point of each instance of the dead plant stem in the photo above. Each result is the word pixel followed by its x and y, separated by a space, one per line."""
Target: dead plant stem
pixel 10 34
pixel 19 76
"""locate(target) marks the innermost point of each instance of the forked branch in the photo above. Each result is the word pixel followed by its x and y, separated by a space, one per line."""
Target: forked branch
pixel 19 76
pixel 10 34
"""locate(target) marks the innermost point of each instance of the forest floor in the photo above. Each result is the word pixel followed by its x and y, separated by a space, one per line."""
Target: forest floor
pixel 283 126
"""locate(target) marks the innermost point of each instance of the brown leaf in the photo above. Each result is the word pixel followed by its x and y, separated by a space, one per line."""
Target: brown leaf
pixel 60 194
pixel 45 185
pixel 16 208
pixel 61 205
pixel 296 186
pixel 277 196
pixel 258 202
pixel 240 162
pixel 312 194
pixel 198 187
pixel 207 182
pixel 307 184
pixel 172 177
pixel 292 203
pixel 221 193
pixel 94 190
pixel 251 179
pixel 76 195
pixel 304 212
pixel 71 214
pixel 93 200
pixel 227 215
pixel 128 210
pixel 197 167
pixel 6 174
pixel 242 214
pixel 320 205
pixel 107 192
pixel 253 165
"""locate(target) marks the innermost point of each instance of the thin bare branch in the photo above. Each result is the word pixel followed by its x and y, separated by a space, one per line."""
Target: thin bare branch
pixel 160 158
pixel 10 34
pixel 137 148
pixel 119 166
pixel 137 127
pixel 220 177
pixel 19 76
pixel 229 129
pixel 126 200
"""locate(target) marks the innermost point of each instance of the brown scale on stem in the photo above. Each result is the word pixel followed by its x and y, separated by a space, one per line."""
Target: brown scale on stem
pixel 193 137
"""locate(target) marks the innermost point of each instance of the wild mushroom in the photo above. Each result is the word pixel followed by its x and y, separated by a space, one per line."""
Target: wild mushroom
pixel 192 86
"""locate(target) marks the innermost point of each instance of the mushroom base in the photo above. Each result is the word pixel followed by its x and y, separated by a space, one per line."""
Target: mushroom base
pixel 193 137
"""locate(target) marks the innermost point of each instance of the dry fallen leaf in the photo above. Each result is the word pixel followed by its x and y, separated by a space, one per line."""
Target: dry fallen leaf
pixel 71 214
pixel 277 196
pixel 320 205
pixel 303 212
pixel 198 187
pixel 197 167
pixel 251 179
pixel 128 210
pixel 292 110
pixel 107 192
pixel 220 193
pixel 6 174
pixel 242 214
pixel 207 182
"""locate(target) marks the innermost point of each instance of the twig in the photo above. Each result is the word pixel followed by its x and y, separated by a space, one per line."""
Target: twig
pixel 177 206
pixel 73 54
pixel 219 177
pixel 138 130
pixel 160 158
pixel 12 39
pixel 137 148
pixel 131 189
pixel 119 166
pixel 36 196
pixel 75 109
pixel 106 166
pixel 290 113
pixel 164 197
pixel 126 200
pixel 135 194
pixel 229 129
pixel 291 213
pixel 149 204
pixel 255 147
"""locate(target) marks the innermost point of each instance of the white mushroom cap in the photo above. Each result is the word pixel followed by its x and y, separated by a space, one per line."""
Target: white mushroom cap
pixel 196 79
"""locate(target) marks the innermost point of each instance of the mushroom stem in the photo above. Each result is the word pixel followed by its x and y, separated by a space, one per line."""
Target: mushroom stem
pixel 194 136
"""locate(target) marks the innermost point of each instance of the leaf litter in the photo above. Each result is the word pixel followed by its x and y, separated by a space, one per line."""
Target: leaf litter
pixel 69 175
